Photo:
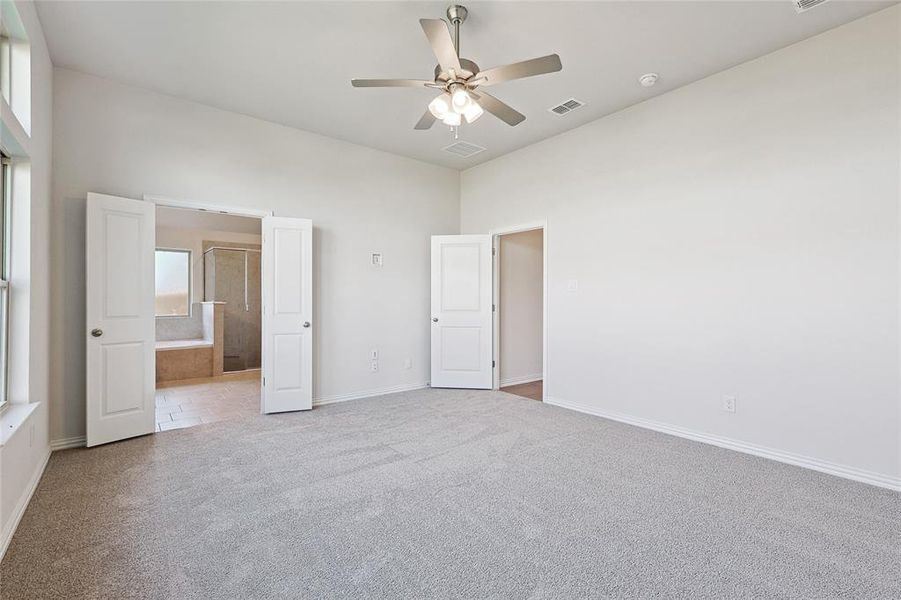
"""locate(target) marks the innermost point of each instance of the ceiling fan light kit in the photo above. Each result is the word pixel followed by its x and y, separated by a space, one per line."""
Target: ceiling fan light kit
pixel 458 78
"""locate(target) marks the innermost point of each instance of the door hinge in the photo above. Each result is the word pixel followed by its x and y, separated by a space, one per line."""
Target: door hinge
pixel 493 308
pixel 264 382
pixel 493 251
pixel 492 364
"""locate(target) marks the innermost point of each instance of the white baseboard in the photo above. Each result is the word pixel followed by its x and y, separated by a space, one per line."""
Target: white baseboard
pixel 368 393
pixel 65 443
pixel 24 499
pixel 861 475
pixel 521 379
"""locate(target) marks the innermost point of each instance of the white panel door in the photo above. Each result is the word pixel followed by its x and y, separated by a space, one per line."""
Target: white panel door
pixel 287 314
pixel 120 332
pixel 461 311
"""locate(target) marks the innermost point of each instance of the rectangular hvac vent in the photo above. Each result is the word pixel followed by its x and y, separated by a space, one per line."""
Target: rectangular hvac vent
pixel 464 149
pixel 805 5
pixel 566 107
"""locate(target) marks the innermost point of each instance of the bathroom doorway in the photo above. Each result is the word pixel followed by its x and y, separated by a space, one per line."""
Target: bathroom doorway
pixel 208 308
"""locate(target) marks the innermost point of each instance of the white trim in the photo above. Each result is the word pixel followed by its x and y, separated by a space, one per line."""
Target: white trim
pixel 65 443
pixel 521 379
pixel 495 291
pixel 24 499
pixel 799 460
pixel 206 207
pixel 322 400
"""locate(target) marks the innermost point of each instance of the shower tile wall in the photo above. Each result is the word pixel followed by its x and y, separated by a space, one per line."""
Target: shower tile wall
pixel 224 281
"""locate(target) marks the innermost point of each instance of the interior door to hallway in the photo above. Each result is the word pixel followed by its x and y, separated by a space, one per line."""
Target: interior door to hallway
pixel 461 329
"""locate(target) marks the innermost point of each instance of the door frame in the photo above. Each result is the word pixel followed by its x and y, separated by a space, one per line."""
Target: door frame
pixel 495 298
pixel 237 211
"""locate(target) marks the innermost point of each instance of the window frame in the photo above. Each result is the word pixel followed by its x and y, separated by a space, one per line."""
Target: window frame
pixel 5 264
pixel 190 254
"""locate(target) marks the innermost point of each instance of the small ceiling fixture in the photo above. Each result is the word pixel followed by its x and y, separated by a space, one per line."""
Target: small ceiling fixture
pixel 648 79
pixel 459 77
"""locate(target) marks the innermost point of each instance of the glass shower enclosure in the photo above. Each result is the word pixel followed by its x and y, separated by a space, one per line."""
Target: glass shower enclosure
pixel 231 274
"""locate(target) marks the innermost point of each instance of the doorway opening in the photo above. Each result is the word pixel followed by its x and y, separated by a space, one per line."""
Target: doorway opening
pixel 519 312
pixel 208 317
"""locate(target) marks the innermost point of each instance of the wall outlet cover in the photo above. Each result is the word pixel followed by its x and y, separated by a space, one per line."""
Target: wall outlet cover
pixel 729 404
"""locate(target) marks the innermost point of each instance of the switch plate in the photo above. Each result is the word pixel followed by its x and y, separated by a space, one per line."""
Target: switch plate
pixel 374 366
pixel 376 258
pixel 408 363
pixel 572 285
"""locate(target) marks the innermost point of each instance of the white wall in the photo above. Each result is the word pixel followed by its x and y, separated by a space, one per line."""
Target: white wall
pixel 520 305
pixel 125 141
pixel 735 236
pixel 24 453
pixel 192 239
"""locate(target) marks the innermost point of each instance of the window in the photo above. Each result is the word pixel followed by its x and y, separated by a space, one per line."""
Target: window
pixel 173 283
pixel 5 204
pixel 5 65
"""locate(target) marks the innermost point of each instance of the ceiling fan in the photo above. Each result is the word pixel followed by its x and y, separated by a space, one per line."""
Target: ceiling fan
pixel 460 78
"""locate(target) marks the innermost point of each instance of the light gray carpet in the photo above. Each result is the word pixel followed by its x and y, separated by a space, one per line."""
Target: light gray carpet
pixel 445 494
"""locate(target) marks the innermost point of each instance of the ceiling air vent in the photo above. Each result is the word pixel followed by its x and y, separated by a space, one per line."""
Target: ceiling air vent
pixel 464 149
pixel 805 5
pixel 566 107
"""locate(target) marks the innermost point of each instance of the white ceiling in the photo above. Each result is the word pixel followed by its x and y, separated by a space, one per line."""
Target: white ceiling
pixel 182 218
pixel 291 62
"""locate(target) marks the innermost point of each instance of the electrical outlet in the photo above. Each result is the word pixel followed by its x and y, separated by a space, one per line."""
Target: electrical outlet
pixel 729 404
pixel 374 354
pixel 374 366
pixel 408 363
pixel 572 285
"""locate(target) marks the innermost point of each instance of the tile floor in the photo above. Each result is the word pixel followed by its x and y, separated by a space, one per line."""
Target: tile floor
pixel 533 390
pixel 196 401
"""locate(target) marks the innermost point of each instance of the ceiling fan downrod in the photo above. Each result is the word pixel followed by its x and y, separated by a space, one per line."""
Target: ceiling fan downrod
pixel 456 14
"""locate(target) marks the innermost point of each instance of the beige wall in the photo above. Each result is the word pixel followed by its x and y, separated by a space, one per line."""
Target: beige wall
pixel 737 236
pixel 521 306
pixel 125 141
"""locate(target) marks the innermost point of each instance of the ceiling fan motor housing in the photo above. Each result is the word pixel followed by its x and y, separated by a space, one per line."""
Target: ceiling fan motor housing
pixel 469 69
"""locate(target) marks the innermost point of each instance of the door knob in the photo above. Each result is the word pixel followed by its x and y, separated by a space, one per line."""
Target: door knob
pixel 306 323
pixel 96 332
pixel 434 319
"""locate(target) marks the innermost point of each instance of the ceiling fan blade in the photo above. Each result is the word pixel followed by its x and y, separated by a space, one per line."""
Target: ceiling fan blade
pixel 427 120
pixel 500 110
pixel 527 68
pixel 442 44
pixel 391 83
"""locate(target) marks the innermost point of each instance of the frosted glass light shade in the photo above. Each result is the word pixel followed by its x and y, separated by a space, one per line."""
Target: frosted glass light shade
pixel 453 119
pixel 472 111
pixel 440 106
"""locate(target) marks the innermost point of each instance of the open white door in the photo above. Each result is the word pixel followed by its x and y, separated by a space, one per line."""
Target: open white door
pixel 461 311
pixel 287 314
pixel 119 247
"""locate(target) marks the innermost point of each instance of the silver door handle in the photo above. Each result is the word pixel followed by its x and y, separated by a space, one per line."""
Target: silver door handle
pixel 306 323
pixel 434 319
pixel 96 332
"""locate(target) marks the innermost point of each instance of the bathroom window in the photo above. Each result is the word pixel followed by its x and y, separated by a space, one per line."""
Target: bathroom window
pixel 173 282
pixel 5 203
